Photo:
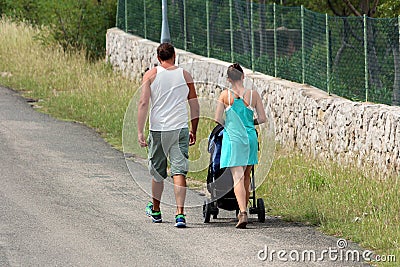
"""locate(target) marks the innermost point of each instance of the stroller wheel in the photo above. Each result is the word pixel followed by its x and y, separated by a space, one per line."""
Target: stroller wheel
pixel 214 210
pixel 261 210
pixel 206 211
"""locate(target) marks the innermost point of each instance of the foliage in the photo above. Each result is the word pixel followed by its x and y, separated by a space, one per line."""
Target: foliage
pixel 385 9
pixel 27 10
pixel 389 9
pixel 315 5
pixel 73 24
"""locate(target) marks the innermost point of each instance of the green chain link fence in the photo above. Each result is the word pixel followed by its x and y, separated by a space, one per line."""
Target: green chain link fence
pixel 354 57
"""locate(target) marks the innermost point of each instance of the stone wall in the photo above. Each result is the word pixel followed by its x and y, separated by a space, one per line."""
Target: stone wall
pixel 304 117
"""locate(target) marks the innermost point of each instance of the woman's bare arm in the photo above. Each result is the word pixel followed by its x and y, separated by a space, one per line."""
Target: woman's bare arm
pixel 219 112
pixel 261 117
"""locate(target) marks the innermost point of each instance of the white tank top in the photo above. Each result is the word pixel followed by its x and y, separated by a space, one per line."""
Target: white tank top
pixel 169 93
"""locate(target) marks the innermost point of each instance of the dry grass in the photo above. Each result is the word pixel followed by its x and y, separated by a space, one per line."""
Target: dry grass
pixel 67 85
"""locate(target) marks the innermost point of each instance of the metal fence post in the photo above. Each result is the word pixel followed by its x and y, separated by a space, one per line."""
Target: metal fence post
pixel 208 27
pixel 303 64
pixel 145 19
pixel 126 15
pixel 165 35
pixel 116 17
pixel 366 56
pixel 275 44
pixel 328 56
pixel 184 26
pixel 252 34
pixel 231 28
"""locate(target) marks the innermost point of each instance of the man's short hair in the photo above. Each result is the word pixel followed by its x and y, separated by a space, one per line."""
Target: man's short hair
pixel 165 51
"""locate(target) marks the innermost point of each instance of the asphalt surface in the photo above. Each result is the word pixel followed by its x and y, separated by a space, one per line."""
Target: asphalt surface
pixel 68 199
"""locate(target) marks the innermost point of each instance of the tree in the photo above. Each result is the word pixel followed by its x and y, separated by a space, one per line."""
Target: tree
pixel 81 24
pixel 389 9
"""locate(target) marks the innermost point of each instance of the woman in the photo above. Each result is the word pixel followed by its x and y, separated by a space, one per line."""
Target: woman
pixel 239 145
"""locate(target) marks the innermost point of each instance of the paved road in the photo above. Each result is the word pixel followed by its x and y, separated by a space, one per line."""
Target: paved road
pixel 68 199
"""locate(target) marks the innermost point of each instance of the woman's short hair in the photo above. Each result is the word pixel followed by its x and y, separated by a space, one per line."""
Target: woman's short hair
pixel 235 72
pixel 165 51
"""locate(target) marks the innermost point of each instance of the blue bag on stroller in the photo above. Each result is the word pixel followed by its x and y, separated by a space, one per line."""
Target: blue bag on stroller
pixel 220 183
pixel 219 180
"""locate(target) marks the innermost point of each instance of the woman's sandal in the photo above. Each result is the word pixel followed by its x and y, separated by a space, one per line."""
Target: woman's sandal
pixel 242 217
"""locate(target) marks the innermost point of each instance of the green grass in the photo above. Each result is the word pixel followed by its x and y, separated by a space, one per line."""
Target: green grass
pixel 344 201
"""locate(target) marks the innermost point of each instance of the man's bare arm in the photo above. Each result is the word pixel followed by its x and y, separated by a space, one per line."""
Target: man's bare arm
pixel 194 107
pixel 143 105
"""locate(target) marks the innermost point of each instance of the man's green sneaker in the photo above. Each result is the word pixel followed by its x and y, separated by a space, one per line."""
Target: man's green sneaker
pixel 149 207
pixel 180 221
pixel 155 215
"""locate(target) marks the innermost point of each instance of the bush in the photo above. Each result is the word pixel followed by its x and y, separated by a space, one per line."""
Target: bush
pixel 73 24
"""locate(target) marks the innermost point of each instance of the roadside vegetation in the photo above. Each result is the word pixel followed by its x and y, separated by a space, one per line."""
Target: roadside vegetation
pixel 358 205
pixel 65 84
pixel 73 25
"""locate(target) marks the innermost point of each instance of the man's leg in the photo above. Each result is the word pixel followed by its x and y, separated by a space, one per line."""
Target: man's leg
pixel 179 154
pixel 157 189
pixel 180 192
pixel 158 169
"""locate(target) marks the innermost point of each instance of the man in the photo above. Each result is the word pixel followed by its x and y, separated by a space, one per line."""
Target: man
pixel 169 88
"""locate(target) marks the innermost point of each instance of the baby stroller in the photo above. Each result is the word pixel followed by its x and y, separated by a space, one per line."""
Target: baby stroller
pixel 220 184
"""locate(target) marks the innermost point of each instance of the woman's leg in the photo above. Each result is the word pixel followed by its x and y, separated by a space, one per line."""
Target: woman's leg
pixel 239 187
pixel 247 178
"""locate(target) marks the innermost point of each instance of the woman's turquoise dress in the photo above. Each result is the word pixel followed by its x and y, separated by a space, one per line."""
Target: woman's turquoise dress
pixel 239 143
